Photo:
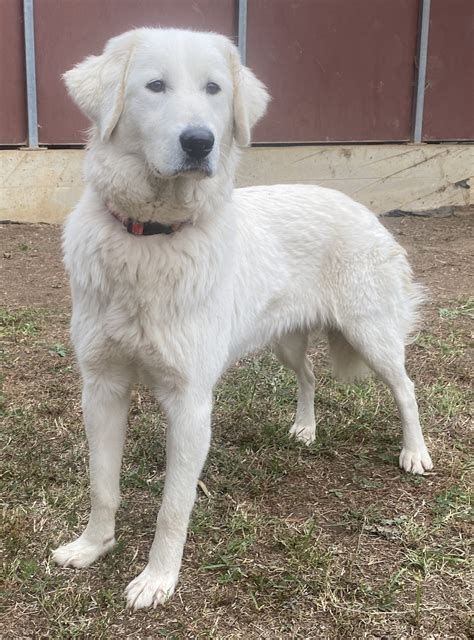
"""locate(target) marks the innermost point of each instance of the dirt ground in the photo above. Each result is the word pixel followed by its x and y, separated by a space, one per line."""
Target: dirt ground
pixel 330 541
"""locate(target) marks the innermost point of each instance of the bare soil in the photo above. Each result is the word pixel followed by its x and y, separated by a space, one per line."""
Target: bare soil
pixel 330 541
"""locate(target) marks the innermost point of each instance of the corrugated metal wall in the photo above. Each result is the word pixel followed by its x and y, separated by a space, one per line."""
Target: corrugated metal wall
pixel 338 70
pixel 13 129
pixel 81 27
pixel 449 97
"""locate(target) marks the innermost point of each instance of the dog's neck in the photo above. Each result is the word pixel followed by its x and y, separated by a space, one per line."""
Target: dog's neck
pixel 124 183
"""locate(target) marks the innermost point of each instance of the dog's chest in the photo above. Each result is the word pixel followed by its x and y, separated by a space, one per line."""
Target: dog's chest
pixel 148 306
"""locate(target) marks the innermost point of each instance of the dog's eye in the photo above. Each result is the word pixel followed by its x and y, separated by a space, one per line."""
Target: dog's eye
pixel 212 88
pixel 157 86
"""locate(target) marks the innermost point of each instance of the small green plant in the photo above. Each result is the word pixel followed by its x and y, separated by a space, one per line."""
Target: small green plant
pixel 19 324
pixel 58 350
pixel 463 308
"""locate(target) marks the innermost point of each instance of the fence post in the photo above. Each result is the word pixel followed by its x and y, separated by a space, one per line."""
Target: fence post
pixel 31 97
pixel 421 77
pixel 242 30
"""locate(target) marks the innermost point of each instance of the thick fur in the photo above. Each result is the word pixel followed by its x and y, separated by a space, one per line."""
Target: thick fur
pixel 255 266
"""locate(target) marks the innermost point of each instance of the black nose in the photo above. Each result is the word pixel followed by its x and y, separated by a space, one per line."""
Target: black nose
pixel 197 142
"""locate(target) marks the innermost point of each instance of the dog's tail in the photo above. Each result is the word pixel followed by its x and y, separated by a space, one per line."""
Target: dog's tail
pixel 347 364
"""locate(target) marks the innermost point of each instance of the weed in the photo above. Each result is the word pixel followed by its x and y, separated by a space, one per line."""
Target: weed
pixel 464 307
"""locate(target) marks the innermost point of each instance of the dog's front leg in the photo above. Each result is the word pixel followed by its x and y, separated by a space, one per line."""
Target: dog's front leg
pixel 187 445
pixel 105 402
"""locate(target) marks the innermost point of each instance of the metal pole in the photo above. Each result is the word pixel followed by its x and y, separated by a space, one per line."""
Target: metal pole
pixel 243 30
pixel 31 99
pixel 421 79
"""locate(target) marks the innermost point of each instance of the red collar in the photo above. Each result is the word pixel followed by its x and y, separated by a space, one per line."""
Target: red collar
pixel 147 228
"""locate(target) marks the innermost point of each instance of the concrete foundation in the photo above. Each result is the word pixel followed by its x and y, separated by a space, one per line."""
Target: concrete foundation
pixel 44 185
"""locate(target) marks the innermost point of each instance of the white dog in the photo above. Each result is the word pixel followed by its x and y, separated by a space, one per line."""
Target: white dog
pixel 175 274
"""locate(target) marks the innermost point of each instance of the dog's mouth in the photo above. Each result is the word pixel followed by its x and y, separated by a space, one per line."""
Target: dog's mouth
pixel 197 169
pixel 201 168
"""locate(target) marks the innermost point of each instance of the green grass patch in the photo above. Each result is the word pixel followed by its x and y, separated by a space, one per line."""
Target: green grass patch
pixel 463 307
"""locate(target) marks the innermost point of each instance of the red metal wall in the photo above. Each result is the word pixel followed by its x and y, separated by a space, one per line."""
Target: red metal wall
pixel 68 30
pixel 338 70
pixel 13 121
pixel 449 97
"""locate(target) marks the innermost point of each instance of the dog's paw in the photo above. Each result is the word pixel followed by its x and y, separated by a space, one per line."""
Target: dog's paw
pixel 415 461
pixel 81 553
pixel 150 588
pixel 306 435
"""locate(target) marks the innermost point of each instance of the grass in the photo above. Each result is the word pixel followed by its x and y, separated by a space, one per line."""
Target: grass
pixel 329 541
pixel 462 307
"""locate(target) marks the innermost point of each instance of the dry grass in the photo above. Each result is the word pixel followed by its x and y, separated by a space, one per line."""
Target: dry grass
pixel 331 541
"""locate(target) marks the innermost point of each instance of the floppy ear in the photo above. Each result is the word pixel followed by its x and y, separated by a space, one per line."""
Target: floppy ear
pixel 250 99
pixel 97 84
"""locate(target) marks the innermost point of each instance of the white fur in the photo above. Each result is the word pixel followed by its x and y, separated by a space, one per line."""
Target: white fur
pixel 256 266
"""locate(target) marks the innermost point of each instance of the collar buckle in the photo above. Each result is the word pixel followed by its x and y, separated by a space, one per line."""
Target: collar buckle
pixel 136 228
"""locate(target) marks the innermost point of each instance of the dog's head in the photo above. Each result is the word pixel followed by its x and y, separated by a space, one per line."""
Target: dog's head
pixel 177 98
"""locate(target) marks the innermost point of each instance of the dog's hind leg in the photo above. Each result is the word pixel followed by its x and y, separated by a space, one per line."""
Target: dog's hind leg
pixel 105 402
pixel 384 352
pixel 291 351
